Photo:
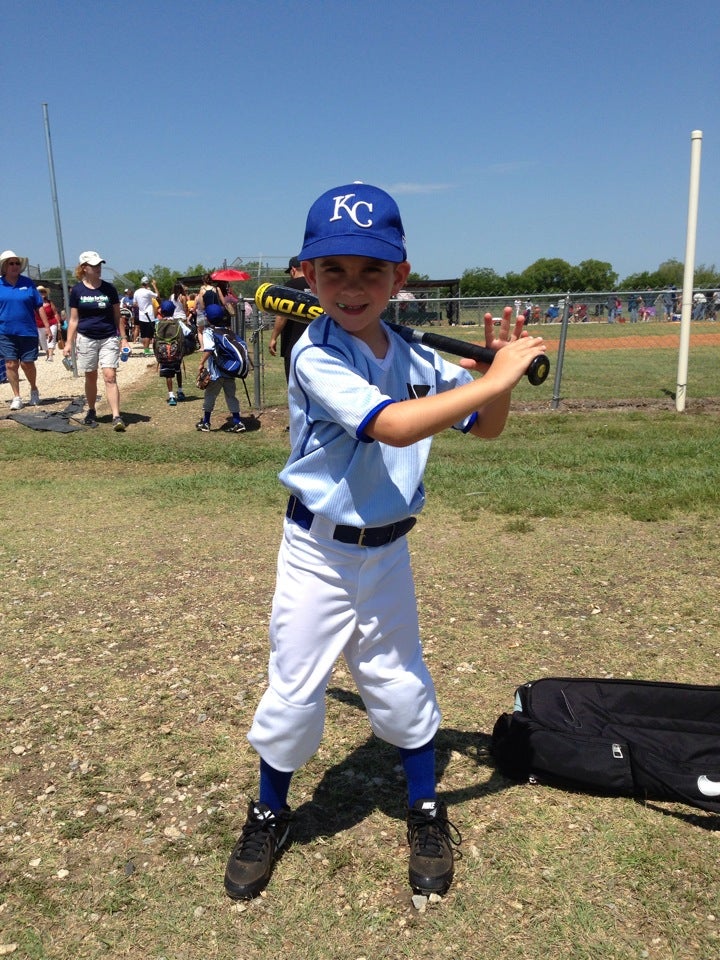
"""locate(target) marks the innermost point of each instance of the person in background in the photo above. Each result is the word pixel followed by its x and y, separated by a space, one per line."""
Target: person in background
pixel 215 316
pixel 180 301
pixel 611 308
pixel 640 307
pixel 632 305
pixel 128 314
pixel 171 371
pixel 715 305
pixel 669 302
pixel 19 299
pixel 184 315
pixel 211 291
pixel 144 299
pixel 699 303
pixel 48 322
pixel 207 288
pixel 660 307
pixel 229 300
pixel 98 329
pixel 286 328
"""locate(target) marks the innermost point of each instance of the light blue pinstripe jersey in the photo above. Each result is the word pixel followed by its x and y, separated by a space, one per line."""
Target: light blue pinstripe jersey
pixel 336 386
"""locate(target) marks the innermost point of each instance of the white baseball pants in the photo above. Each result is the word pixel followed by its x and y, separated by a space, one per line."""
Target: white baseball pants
pixel 332 599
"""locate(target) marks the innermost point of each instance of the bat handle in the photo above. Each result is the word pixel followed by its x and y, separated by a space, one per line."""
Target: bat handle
pixel 537 371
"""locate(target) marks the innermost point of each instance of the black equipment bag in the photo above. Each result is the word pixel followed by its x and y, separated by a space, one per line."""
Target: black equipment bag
pixel 636 738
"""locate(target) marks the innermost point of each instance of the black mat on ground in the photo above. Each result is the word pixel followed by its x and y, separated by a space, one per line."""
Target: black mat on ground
pixel 58 421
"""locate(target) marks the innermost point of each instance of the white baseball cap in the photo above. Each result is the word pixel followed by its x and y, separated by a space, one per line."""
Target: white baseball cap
pixel 10 255
pixel 90 257
pixel 144 279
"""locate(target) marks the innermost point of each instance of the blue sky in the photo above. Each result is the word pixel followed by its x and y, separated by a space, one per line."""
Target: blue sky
pixel 187 132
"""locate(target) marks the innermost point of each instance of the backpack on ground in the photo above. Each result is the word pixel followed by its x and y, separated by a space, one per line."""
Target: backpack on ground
pixel 231 353
pixel 169 343
pixel 637 738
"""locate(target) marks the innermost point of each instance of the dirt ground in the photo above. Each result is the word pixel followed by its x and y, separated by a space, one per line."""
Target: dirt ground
pixel 634 342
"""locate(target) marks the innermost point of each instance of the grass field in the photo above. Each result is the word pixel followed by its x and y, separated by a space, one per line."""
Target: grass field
pixel 612 363
pixel 138 571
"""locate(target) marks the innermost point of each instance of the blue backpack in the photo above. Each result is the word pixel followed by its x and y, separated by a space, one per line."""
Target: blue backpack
pixel 230 353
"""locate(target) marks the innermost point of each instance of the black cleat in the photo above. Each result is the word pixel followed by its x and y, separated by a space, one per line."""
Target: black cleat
pixel 258 847
pixel 431 837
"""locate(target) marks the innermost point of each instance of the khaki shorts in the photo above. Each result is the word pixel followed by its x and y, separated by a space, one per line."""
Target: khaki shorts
pixel 94 354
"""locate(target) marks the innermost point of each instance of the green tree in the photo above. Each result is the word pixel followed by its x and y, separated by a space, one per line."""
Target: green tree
pixel 482 282
pixel 707 277
pixel 669 273
pixel 672 272
pixel 595 275
pixel 639 281
pixel 55 273
pixel 514 284
pixel 197 271
pixel 548 276
pixel 163 276
pixel 134 277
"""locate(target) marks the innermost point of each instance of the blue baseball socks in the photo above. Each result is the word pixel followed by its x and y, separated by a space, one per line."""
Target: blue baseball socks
pixel 419 767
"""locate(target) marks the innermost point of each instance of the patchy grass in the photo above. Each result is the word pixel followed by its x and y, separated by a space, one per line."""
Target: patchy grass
pixel 137 578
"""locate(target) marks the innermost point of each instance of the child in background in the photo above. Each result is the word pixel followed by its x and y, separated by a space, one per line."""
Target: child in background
pixel 47 315
pixel 170 371
pixel 215 316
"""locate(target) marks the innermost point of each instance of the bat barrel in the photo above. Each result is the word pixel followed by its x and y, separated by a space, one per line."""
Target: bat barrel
pixel 300 304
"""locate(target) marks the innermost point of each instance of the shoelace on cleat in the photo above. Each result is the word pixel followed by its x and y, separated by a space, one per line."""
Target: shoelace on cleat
pixel 428 833
pixel 254 837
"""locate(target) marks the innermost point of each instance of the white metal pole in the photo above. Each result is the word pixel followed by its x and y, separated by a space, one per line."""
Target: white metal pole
pixel 58 229
pixel 56 212
pixel 689 273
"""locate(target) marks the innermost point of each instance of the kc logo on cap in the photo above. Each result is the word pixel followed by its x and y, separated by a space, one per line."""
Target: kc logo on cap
pixel 354 220
pixel 341 204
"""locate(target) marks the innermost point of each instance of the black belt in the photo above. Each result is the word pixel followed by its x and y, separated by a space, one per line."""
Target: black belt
pixel 362 536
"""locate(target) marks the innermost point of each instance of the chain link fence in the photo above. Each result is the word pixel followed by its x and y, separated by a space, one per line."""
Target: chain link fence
pixel 601 355
pixel 614 348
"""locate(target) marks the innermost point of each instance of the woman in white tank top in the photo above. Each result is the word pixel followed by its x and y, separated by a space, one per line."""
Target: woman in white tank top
pixel 179 298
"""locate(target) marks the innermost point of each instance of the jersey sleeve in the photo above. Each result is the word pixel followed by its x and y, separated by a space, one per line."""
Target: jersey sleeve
pixel 335 389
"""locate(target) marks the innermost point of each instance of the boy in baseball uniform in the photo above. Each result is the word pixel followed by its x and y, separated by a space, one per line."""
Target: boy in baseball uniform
pixel 364 407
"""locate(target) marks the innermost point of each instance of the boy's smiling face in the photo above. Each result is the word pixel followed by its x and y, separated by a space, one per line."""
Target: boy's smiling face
pixel 354 291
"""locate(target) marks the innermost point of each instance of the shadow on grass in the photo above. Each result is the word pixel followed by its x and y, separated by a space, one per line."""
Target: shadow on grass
pixel 367 780
pixel 699 818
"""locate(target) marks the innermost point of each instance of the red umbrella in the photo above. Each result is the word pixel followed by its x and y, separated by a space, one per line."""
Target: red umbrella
pixel 230 275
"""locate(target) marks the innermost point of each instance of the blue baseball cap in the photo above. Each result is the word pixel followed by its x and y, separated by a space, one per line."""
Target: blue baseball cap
pixel 213 312
pixel 167 308
pixel 357 220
